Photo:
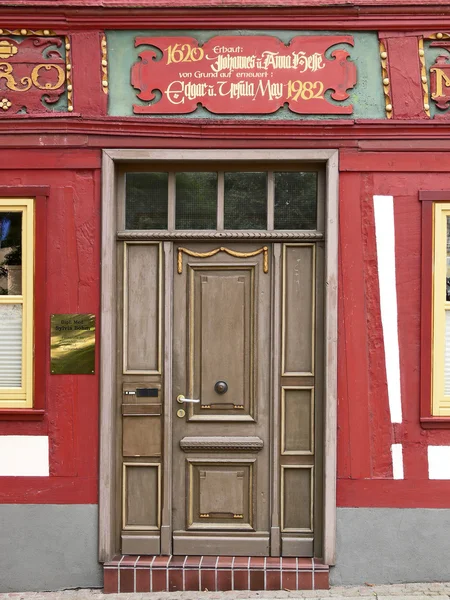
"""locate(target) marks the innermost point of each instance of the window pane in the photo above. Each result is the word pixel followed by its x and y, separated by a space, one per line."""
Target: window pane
pixel 447 287
pixel 296 200
pixel 10 345
pixel 245 200
pixel 447 355
pixel 196 201
pixel 10 253
pixel 146 200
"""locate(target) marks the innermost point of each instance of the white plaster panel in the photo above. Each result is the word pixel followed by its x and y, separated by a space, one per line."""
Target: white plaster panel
pixel 397 461
pixel 439 462
pixel 24 455
pixel 385 241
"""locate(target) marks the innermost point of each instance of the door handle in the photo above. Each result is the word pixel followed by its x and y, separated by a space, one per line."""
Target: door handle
pixel 181 399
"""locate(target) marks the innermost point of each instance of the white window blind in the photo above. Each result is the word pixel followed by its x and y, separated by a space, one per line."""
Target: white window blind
pixel 10 345
pixel 447 355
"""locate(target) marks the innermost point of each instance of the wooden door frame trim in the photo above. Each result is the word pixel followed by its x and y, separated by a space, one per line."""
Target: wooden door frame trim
pixel 108 321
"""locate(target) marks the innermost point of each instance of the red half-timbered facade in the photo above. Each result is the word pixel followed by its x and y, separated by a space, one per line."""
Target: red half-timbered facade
pixel 87 103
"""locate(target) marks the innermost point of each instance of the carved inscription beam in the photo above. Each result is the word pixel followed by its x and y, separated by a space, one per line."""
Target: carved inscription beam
pixel 244 75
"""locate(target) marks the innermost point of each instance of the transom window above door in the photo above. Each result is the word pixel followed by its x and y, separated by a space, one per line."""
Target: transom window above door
pixel 222 200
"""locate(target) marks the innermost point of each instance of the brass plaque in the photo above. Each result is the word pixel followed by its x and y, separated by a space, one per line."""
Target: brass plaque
pixel 72 344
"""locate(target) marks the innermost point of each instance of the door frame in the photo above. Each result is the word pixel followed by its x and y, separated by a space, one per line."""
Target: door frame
pixel 110 159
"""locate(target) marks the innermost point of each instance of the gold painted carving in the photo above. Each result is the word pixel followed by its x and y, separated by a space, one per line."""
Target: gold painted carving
pixel 386 82
pixel 424 79
pixel 5 104
pixel 264 250
pixel 438 36
pixel 104 47
pixel 11 84
pixel 204 515
pixel 39 32
pixel 7 49
pixel 441 80
pixel 47 86
pixel 69 74
pixel 5 73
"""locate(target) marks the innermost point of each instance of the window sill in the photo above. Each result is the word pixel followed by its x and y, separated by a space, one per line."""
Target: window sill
pixel 21 414
pixel 435 422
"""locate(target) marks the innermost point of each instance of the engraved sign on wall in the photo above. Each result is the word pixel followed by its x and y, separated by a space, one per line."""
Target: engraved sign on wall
pixel 72 344
pixel 34 73
pixel 244 75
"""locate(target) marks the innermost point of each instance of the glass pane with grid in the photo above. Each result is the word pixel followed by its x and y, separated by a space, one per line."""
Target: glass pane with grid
pixel 146 203
pixel 245 202
pixel 10 253
pixel 295 200
pixel 196 200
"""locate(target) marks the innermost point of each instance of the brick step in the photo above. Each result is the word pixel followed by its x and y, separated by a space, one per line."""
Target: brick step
pixel 212 573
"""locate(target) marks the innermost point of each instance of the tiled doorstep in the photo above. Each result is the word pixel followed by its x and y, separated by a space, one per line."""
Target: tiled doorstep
pixel 212 573
pixel 406 591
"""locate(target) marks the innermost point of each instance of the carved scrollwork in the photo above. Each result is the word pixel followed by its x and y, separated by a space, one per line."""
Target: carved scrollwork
pixel 215 235
pixel 35 70
pixel 40 32
pixel 264 250
pixel 219 444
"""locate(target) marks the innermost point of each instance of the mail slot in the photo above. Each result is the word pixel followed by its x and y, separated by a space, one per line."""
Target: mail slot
pixel 147 392
pixel 143 392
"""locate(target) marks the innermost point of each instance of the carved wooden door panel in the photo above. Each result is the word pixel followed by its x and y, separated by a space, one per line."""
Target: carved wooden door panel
pixel 221 366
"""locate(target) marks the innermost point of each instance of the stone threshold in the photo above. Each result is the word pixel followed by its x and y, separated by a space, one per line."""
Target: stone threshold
pixel 126 573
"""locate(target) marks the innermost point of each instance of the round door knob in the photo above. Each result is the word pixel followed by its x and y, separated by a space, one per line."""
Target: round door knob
pixel 221 387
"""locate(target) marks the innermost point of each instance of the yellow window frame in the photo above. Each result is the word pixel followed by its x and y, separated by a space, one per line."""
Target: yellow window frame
pixel 23 397
pixel 440 401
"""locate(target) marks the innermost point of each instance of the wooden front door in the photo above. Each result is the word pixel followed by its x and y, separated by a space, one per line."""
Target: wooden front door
pixel 220 367
pixel 221 375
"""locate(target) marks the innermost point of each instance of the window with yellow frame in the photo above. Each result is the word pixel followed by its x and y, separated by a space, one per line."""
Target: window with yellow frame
pixel 441 311
pixel 16 302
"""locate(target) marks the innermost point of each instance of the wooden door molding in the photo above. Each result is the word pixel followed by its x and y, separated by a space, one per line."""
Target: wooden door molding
pixel 107 363
pixel 330 359
pixel 111 158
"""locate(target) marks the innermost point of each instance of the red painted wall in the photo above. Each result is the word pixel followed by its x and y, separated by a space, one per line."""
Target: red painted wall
pixel 71 284
pixel 72 273
pixel 365 431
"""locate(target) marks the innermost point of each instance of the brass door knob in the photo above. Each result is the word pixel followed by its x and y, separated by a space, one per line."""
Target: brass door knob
pixel 221 387
pixel 181 399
